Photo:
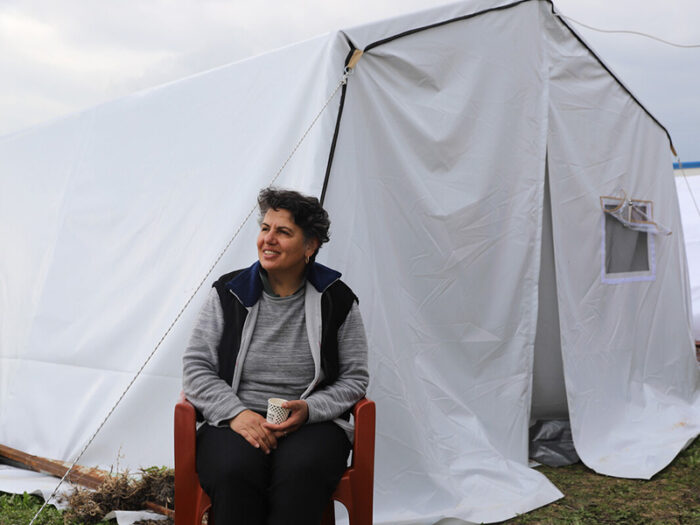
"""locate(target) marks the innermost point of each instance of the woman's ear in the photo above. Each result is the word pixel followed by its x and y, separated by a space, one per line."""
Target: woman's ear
pixel 311 246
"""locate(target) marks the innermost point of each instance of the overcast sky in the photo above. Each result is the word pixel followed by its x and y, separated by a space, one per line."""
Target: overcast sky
pixel 63 56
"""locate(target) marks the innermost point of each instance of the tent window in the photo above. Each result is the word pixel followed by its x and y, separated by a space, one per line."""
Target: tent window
pixel 626 250
pixel 628 241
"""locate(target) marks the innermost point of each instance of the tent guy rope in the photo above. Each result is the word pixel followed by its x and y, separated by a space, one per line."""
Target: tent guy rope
pixel 627 31
pixel 343 80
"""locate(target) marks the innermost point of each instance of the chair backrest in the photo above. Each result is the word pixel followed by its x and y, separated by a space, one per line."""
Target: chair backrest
pixel 356 487
pixel 364 413
pixel 190 499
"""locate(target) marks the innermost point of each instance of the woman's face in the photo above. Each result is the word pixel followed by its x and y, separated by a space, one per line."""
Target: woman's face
pixel 281 245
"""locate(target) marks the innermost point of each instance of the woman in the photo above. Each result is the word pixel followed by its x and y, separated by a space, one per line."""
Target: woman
pixel 284 327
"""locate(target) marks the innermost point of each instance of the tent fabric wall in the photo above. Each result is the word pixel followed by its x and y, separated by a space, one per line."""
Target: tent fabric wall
pixel 444 251
pixel 628 355
pixel 113 216
pixel 689 188
pixel 437 197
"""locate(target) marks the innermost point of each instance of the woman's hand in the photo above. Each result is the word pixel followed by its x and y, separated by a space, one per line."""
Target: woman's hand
pixel 299 413
pixel 251 426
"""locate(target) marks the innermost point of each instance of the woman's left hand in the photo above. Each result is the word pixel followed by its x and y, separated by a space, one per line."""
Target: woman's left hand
pixel 299 413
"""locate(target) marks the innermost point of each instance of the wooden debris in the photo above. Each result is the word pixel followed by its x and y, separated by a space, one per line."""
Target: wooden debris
pixel 89 478
pixel 170 513
pixel 86 477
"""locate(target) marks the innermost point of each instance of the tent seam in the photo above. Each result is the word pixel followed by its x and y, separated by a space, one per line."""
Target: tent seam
pixel 334 140
pixel 604 66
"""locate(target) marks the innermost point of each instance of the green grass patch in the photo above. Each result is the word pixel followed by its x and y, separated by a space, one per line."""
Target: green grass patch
pixel 19 509
pixel 671 497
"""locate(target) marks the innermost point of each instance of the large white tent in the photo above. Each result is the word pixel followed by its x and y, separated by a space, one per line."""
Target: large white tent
pixel 463 166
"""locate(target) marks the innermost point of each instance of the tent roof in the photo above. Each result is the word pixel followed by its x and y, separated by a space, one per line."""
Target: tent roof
pixel 369 36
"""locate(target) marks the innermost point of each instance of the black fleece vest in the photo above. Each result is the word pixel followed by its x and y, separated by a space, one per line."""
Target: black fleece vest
pixel 336 301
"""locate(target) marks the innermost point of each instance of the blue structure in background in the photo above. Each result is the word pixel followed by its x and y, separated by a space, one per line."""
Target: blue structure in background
pixel 695 164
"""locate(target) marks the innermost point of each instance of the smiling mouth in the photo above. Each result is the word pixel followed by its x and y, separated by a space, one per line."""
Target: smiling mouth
pixel 269 252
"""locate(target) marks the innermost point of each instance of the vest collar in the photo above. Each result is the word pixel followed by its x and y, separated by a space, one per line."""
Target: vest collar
pixel 247 285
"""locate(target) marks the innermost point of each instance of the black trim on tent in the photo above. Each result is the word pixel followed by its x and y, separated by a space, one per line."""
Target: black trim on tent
pixel 458 19
pixel 561 19
pixel 331 154
pixel 438 24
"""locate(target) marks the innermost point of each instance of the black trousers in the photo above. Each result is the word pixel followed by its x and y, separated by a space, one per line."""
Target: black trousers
pixel 290 486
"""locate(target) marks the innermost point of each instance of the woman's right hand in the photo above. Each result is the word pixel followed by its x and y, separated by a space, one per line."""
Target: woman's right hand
pixel 249 424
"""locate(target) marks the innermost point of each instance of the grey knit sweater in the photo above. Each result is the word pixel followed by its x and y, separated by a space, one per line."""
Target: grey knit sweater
pixel 219 402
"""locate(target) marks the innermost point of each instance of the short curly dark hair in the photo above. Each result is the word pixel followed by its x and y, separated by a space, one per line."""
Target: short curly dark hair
pixel 306 211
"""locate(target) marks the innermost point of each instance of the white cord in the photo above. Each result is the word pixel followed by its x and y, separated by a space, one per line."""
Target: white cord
pixel 343 80
pixel 625 31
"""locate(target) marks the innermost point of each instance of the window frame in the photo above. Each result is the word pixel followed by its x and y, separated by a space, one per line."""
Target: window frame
pixel 632 276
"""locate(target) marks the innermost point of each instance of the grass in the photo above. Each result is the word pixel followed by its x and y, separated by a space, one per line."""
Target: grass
pixel 18 509
pixel 671 497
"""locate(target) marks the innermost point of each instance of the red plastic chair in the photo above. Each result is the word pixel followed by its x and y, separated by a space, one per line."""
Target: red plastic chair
pixel 355 489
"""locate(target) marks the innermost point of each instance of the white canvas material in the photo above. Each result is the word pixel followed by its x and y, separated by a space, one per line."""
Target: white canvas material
pixel 479 281
pixel 691 228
